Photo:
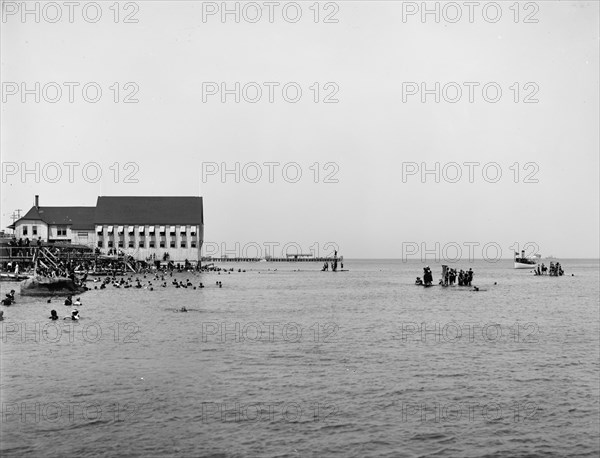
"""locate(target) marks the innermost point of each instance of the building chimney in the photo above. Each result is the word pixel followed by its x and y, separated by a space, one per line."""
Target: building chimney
pixel 37 201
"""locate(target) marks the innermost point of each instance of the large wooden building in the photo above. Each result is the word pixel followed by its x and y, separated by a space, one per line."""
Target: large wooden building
pixel 141 226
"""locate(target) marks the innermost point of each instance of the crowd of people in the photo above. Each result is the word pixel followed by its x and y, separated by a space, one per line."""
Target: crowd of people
pixel 449 277
pixel 555 270
pixel 22 247
pixel 65 262
pixel 158 278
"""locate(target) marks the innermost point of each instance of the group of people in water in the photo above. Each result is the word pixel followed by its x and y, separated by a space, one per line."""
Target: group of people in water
pixel 74 316
pixel 69 301
pixel 10 298
pixel 449 277
pixel 427 277
pixel 131 282
pixel 555 270
pixel 333 264
pixel 465 277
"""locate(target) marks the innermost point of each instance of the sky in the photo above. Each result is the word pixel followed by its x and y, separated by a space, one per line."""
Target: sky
pixel 338 164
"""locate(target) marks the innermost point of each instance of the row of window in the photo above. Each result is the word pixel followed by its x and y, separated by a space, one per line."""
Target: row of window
pixel 33 230
pixel 151 244
pixel 61 231
pixel 152 234
pixel 142 231
pixel 141 236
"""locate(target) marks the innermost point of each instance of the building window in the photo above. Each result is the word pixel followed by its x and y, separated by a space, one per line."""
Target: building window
pixel 33 230
pixel 141 245
pixel 110 244
pixel 162 233
pixel 193 244
pixel 24 230
pixel 172 245
pixel 120 243
pixel 162 244
pixel 99 243
pixel 151 244
pixel 131 244
pixel 183 245
pixel 61 231
pixel 82 235
pixel 193 233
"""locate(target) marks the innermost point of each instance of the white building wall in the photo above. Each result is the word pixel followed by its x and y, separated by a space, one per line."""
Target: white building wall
pixel 145 251
pixel 75 236
pixel 83 237
pixel 41 227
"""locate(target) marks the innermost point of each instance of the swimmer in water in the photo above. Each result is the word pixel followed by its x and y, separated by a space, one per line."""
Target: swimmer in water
pixel 53 315
pixel 69 300
pixel 183 309
pixel 77 302
pixel 74 315
pixel 1 315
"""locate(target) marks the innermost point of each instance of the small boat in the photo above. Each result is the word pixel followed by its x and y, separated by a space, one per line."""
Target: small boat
pixel 523 262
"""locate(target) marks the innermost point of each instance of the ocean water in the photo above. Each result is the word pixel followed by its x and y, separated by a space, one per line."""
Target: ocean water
pixel 285 360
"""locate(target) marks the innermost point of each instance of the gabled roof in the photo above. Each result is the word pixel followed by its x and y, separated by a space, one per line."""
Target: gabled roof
pixel 149 210
pixel 32 214
pixel 123 210
pixel 76 217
